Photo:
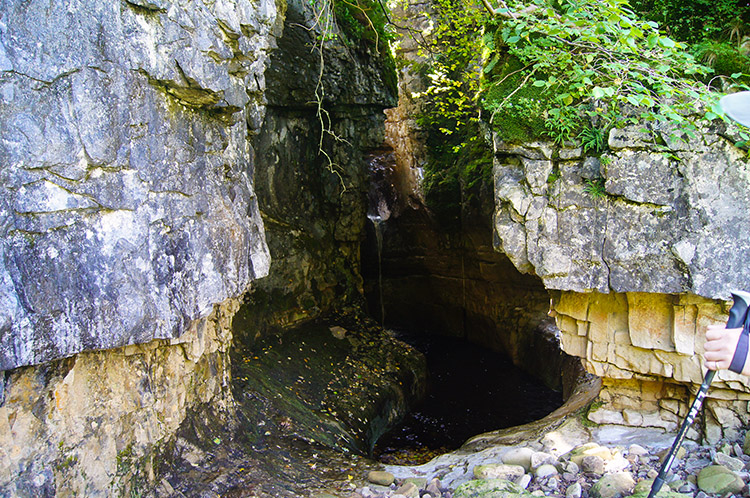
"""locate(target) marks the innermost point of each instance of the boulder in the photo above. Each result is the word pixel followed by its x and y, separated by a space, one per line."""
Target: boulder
pixel 717 479
pixel 499 471
pixel 495 488
pixel 613 486
pixel 519 456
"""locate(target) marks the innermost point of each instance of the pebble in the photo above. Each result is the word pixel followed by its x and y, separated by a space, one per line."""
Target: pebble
pixel 564 477
pixel 545 470
pixel 574 491
pixel 592 464
pixel 380 477
pixel 434 488
pixel 524 481
pixel 637 450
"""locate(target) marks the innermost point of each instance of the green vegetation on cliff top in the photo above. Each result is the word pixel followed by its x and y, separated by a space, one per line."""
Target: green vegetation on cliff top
pixel 561 70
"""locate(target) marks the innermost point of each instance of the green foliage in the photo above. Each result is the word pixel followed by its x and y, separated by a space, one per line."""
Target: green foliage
pixel 452 67
pixel 696 20
pixel 723 57
pixel 595 188
pixel 364 23
pixel 522 118
pixel 597 65
pixel 459 160
pixel 592 139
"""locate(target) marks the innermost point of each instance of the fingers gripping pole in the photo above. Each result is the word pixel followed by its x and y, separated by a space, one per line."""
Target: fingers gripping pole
pixel 737 317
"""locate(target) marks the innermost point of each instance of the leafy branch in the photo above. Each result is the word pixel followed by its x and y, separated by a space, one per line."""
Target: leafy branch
pixel 596 60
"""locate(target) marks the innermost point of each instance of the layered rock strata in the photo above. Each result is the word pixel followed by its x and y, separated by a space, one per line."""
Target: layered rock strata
pixel 641 247
pixel 128 222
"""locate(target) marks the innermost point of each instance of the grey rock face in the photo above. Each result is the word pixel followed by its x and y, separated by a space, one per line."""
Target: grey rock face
pixel 127 207
pixel 314 211
pixel 646 221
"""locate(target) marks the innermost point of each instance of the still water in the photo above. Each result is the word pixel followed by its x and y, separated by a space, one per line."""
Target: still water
pixel 471 390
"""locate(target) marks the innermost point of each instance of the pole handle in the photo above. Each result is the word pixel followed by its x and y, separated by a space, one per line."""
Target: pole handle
pixel 738 312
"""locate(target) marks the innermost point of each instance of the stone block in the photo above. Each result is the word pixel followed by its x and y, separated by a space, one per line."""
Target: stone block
pixel 650 320
pixel 536 173
pixel 583 328
pixel 567 324
pixel 643 177
pixel 573 304
pixel 683 329
pixel 573 345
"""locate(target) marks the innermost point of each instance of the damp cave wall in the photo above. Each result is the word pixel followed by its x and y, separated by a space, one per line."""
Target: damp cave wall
pixel 312 177
pixel 436 271
pixel 151 177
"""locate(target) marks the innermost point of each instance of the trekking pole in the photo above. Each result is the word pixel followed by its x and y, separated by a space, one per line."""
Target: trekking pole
pixel 737 317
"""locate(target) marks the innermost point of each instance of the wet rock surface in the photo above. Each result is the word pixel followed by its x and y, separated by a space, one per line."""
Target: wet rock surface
pixel 341 382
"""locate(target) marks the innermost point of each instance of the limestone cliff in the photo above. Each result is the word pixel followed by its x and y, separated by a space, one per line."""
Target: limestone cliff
pixel 126 207
pixel 641 247
pixel 128 220
pixel 131 137
pixel 637 219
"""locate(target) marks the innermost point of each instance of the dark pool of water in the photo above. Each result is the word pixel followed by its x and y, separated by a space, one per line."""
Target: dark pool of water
pixel 472 390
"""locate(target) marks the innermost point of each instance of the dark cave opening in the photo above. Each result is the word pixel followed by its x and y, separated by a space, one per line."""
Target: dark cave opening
pixel 493 356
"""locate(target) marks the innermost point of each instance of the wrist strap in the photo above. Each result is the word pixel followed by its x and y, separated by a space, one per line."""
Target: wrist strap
pixel 740 354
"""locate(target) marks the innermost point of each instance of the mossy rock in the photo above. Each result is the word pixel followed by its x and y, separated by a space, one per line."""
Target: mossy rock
pixel 643 488
pixel 613 486
pixel 717 479
pixel 522 118
pixel 490 488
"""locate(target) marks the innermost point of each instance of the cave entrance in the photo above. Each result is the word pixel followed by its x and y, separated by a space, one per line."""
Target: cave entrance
pixel 471 390
pixel 491 349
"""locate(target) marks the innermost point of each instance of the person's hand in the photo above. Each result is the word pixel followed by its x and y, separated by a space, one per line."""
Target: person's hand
pixel 720 346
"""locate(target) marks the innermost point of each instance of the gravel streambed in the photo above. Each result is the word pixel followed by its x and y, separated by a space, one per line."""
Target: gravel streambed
pixel 572 462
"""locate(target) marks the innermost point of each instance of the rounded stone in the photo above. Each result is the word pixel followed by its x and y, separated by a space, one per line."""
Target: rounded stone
pixel 613 486
pixel 717 479
pixel 637 450
pixel 592 464
pixel 574 491
pixel 519 456
pixel 380 477
pixel 499 471
pixel 545 470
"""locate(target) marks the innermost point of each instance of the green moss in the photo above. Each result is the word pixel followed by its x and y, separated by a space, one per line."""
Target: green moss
pixel 723 57
pixel 519 117
pixel 458 166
